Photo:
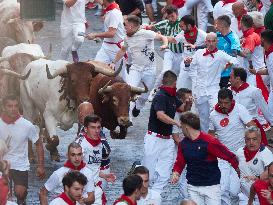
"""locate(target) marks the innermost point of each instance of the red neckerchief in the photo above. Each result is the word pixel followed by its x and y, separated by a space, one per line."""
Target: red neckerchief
pixel 9 120
pixel 123 198
pixel 208 52
pixel 259 30
pixel 170 90
pixel 66 199
pixel 228 2
pixel 110 7
pixel 249 155
pixel 69 165
pixel 218 108
pixel 260 6
pixel 248 32
pixel 242 87
pixel 270 50
pixel 93 142
pixel 239 19
pixel 191 35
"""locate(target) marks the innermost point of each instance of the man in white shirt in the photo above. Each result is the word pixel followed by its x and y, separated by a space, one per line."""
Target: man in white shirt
pixel 206 68
pixel 74 163
pixel 16 131
pixel 148 196
pixel 192 38
pixel 113 34
pixel 140 42
pixel 72 22
pixel 267 43
pixel 90 141
pixel 253 161
pixel 73 185
pixel 227 122
pixel 249 96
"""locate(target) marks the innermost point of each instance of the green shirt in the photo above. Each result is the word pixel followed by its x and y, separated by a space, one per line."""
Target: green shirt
pixel 268 19
pixel 170 29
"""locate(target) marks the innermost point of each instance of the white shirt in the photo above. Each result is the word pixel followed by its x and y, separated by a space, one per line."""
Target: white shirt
pixel 58 201
pixel 254 167
pixel 232 135
pixel 91 156
pixel 219 10
pixel 54 183
pixel 114 19
pixel 141 46
pixel 207 71
pixel 234 27
pixel 252 99
pixel 16 136
pixel 200 41
pixel 73 15
pixel 11 203
pixel 266 6
pixel 257 58
pixel 269 65
pixel 152 197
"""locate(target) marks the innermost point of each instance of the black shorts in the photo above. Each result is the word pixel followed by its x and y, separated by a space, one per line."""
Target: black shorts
pixel 148 1
pixel 18 177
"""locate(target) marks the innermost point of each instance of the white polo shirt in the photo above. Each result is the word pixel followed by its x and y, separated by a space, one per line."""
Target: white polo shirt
pixel 73 15
pixel 252 99
pixel 206 71
pixel 230 134
pixel 91 156
pixel 254 167
pixel 54 183
pixel 16 136
pixel 152 197
pixel 114 19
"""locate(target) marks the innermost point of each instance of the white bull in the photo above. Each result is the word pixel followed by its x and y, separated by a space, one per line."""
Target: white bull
pixel 12 26
pixel 52 97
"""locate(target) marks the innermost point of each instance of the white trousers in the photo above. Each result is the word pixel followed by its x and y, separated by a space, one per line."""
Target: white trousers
pixel 203 8
pixel 205 195
pixel 230 184
pixel 70 39
pixel 205 105
pixel 171 62
pixel 270 101
pixel 135 78
pixel 184 80
pixel 243 200
pixel 158 158
pixel 107 54
pixel 98 196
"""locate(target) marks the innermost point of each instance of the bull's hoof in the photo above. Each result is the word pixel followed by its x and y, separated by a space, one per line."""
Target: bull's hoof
pixel 54 154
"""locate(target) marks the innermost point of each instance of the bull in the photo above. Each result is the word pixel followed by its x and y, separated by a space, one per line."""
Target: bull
pixel 110 97
pixel 55 89
pixel 12 26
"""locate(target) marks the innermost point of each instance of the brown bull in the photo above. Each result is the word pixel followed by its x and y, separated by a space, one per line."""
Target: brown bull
pixel 110 97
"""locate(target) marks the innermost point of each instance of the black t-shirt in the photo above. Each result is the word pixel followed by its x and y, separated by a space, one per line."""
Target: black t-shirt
pixel 163 102
pixel 127 6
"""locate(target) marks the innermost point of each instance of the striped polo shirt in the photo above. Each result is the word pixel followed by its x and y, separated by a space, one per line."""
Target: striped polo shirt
pixel 170 29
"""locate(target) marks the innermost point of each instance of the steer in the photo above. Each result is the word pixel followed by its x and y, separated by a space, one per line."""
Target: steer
pixel 54 89
pixel 110 97
pixel 12 26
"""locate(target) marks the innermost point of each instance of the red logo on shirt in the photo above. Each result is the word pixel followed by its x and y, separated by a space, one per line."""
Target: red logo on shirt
pixel 224 122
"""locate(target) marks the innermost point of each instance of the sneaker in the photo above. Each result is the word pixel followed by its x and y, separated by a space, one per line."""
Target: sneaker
pixel 152 95
pixel 90 5
pixel 135 165
pixel 75 56
pixel 135 112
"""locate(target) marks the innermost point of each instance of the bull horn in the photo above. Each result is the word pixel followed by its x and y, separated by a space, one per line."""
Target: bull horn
pixel 4 59
pixel 105 88
pixel 48 56
pixel 105 69
pixel 58 72
pixel 14 74
pixel 139 90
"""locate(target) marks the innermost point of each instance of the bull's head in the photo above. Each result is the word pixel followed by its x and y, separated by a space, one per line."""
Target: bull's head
pixel 22 30
pixel 118 96
pixel 78 76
